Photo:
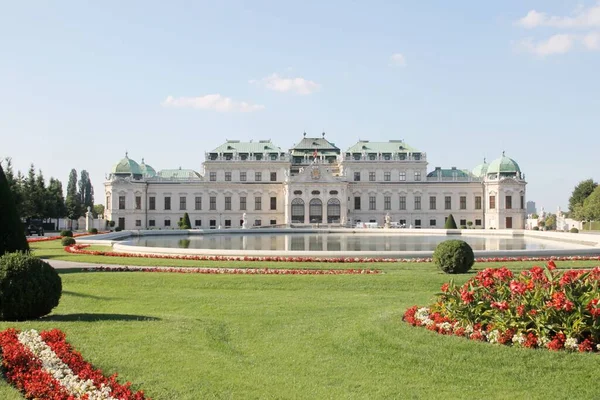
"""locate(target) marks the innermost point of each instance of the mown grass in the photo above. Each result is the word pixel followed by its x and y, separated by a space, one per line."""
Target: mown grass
pixel 180 336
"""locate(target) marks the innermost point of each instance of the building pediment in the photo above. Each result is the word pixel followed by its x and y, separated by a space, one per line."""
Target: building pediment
pixel 316 173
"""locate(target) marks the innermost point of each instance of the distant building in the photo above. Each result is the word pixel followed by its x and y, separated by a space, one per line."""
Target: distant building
pixel 316 182
pixel 531 208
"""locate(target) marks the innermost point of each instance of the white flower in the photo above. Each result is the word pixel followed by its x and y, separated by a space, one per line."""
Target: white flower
pixel 493 336
pixel 543 341
pixel 446 326
pixel 571 344
pixel 519 339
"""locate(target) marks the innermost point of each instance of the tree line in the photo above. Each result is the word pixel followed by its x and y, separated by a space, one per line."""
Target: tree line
pixel 584 203
pixel 36 200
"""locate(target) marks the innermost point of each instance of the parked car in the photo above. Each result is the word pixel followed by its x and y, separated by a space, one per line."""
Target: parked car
pixel 34 228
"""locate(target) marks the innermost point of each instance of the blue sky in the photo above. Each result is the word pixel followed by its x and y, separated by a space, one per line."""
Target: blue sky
pixel 82 82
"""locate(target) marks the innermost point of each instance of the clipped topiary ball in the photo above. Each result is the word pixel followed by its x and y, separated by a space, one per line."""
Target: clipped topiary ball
pixel 29 287
pixel 67 241
pixel 574 230
pixel 454 256
pixel 93 231
pixel 66 233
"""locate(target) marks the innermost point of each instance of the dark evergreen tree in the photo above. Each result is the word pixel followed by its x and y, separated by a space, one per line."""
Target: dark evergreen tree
pixel 12 235
pixel 40 197
pixel 186 223
pixel 73 201
pixel 14 184
pixel 86 191
pixel 450 223
pixel 56 200
pixel 29 194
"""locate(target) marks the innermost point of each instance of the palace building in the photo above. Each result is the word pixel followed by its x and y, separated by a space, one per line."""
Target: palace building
pixel 315 182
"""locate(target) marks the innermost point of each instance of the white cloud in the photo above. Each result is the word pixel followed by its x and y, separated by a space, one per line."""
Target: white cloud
pixel 591 41
pixel 397 60
pixel 295 85
pixel 214 102
pixel 581 18
pixel 557 44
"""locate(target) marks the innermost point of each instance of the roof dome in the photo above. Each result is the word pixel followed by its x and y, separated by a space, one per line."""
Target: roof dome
pixel 504 166
pixel 127 166
pixel 147 170
pixel 480 170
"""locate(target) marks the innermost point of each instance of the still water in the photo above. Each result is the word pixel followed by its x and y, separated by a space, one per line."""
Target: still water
pixel 340 242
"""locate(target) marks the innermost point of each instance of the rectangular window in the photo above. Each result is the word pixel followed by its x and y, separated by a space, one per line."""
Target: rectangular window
pixel 387 202
pixel 198 203
pixel 227 176
pixel 492 202
pixel 522 202
pixel 257 222
pixel 417 175
pixel 402 177
pixel 432 202
pixel 387 176
pixel 417 223
pixel 213 176
pixel 107 202
pixel 138 202
pixel 151 222
pixel 463 202
pixel 227 223
pixel 228 203
pixel 258 176
pixel 402 202
pixel 273 176
pixel 478 202
pixel 417 202
pixel 213 203
pixel 357 202
pixel 121 202
pixel 448 202
pixel 198 222
pixel 152 201
pixel 273 203
pixel 356 176
pixel 167 202
pixel 462 223
pixel 138 222
pixel 167 222
pixel 371 176
pixel 372 203
pixel 508 202
pixel 477 222
pixel 243 176
pixel 258 203
pixel 212 223
pixel 273 222
pixel 182 202
pixel 242 203
pixel 432 222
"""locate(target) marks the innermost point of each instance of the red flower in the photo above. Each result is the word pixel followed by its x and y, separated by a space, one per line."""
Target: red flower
pixel 445 287
pixel 517 287
pixel 594 307
pixel 500 305
pixel 531 341
pixel 558 342
pixel 466 296
pixel 586 345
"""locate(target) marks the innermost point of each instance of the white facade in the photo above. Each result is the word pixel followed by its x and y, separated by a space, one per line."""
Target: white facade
pixel 267 186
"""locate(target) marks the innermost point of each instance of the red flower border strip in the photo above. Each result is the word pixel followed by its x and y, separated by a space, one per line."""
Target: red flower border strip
pixel 236 271
pixel 76 378
pixel 49 238
pixel 80 249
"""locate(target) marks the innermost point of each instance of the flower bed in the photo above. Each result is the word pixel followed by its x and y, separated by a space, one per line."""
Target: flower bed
pixel 81 249
pixel 49 238
pixel 238 271
pixel 45 366
pixel 538 308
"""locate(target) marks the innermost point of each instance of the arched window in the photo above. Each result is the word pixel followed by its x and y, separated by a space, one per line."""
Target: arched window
pixel 315 211
pixel 333 211
pixel 297 211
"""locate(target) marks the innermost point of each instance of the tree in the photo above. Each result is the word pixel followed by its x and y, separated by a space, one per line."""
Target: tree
pixel 86 191
pixel 580 193
pixel 98 210
pixel 73 201
pixel 591 206
pixel 29 194
pixel 12 235
pixel 14 184
pixel 55 200
pixel 550 222
pixel 185 222
pixel 450 223
pixel 40 196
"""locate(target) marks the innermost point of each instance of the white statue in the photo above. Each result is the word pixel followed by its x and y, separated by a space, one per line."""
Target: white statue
pixel 244 221
pixel 387 221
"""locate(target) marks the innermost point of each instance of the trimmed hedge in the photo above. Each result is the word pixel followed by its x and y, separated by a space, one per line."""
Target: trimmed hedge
pixel 66 233
pixel 454 256
pixel 67 241
pixel 93 231
pixel 29 287
pixel 574 230
pixel 12 234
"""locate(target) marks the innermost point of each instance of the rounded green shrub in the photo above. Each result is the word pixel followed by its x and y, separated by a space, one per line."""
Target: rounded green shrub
pixel 118 229
pixel 29 287
pixel 454 256
pixel 574 230
pixel 536 228
pixel 93 231
pixel 67 241
pixel 66 233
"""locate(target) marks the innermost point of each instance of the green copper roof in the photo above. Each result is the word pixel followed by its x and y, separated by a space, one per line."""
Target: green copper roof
pixel 393 146
pixel 179 174
pixel 449 173
pixel 126 166
pixel 147 170
pixel 481 169
pixel 320 144
pixel 235 146
pixel 503 166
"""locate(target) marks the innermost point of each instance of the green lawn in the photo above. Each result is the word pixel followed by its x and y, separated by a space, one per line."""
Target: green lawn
pixel 181 336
